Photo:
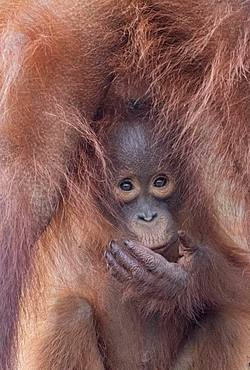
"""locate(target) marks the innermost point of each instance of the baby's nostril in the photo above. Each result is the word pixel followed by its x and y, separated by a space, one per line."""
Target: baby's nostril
pixel 147 217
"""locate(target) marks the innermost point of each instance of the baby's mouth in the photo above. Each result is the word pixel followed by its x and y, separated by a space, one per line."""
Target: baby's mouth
pixel 166 245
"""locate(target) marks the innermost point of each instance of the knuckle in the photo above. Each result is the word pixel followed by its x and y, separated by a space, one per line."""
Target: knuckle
pixel 150 262
pixel 137 271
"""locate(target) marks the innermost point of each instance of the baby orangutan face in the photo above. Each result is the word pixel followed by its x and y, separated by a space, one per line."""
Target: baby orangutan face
pixel 144 188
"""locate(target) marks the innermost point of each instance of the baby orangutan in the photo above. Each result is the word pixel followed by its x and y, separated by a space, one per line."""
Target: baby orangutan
pixel 170 301
pixel 190 286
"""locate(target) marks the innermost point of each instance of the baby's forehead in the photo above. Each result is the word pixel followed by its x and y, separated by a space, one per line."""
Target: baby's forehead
pixel 133 146
pixel 132 141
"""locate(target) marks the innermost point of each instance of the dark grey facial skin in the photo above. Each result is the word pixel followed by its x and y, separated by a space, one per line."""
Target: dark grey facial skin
pixel 136 155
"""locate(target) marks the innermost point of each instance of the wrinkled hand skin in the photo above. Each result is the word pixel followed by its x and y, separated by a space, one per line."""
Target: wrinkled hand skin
pixel 146 275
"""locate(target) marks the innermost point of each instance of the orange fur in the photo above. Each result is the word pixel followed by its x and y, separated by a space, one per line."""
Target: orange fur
pixel 59 62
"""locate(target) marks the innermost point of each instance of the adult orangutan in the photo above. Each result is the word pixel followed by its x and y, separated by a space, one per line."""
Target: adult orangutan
pixel 67 67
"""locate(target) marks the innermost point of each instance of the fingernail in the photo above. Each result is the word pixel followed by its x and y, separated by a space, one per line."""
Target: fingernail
pixel 111 244
pixel 129 243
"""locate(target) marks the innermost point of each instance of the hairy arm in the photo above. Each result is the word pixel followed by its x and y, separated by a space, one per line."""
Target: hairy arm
pixel 201 279
pixel 68 339
pixel 48 63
